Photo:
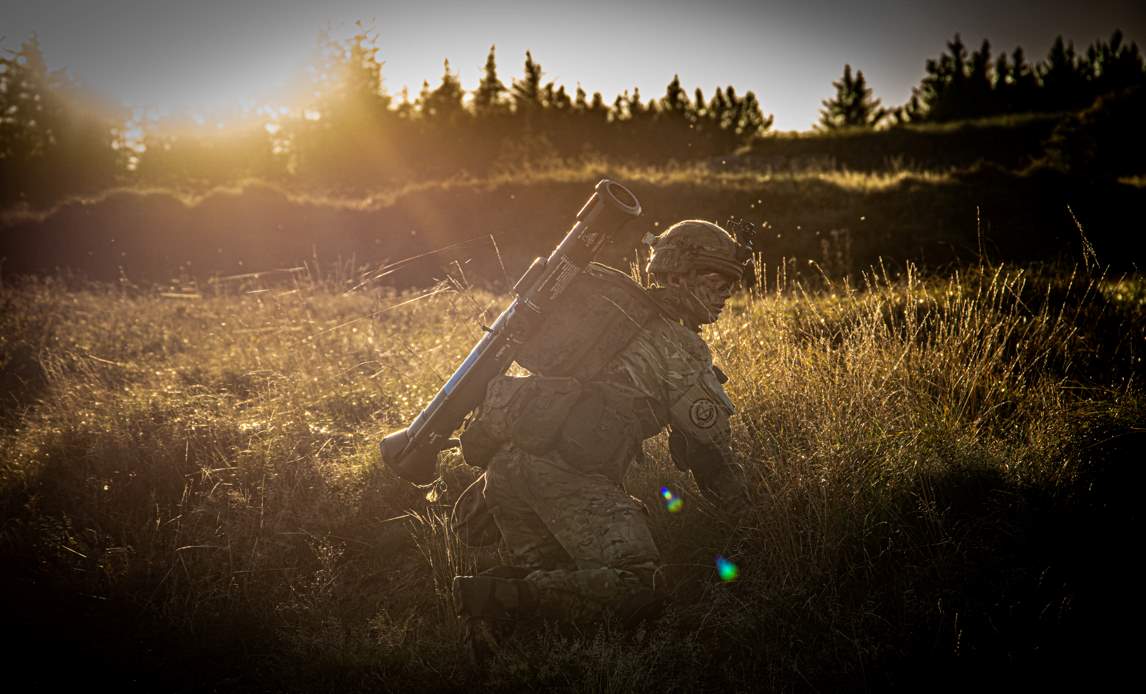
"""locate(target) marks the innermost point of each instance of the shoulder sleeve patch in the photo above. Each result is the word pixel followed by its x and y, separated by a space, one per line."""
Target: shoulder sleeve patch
pixel 700 414
pixel 703 413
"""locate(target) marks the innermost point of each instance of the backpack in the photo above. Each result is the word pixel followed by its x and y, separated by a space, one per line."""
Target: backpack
pixel 559 405
pixel 596 317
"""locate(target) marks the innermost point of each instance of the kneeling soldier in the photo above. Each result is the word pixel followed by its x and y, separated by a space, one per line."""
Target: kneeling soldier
pixel 580 543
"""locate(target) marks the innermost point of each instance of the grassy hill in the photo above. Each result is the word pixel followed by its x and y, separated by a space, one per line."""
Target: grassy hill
pixel 842 220
pixel 943 471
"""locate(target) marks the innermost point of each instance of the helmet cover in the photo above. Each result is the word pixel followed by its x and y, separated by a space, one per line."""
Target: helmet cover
pixel 697 245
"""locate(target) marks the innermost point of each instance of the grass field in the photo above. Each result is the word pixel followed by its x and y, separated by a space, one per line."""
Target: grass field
pixel 943 470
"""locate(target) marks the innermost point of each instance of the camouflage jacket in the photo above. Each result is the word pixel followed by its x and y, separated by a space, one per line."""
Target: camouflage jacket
pixel 663 377
pixel 671 367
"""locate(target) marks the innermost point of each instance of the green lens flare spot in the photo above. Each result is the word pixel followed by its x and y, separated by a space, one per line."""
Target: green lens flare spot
pixel 726 569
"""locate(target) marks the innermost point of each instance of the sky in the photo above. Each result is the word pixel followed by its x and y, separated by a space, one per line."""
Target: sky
pixel 177 56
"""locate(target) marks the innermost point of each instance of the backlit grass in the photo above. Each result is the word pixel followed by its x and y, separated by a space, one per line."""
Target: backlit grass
pixel 938 466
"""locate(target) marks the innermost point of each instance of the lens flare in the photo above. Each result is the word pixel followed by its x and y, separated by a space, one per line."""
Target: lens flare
pixel 727 570
pixel 672 502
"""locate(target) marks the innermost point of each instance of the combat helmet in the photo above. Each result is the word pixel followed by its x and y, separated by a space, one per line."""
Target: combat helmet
pixel 697 245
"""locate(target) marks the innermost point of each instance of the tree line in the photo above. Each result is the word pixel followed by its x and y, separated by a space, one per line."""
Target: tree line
pixel 353 134
pixel 961 85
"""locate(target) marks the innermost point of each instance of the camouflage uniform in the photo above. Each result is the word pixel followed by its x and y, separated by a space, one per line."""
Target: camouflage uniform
pixel 581 544
pixel 586 540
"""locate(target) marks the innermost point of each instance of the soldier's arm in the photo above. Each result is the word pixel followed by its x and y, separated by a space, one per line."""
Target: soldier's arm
pixel 700 439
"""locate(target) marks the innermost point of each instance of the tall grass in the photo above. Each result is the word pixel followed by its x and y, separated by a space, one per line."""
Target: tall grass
pixel 930 459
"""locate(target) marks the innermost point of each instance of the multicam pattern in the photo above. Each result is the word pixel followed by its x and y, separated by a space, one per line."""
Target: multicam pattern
pixel 672 367
pixel 586 540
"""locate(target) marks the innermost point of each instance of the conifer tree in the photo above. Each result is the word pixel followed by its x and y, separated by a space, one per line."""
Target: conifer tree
pixel 718 108
pixel 938 96
pixel 597 107
pixel 1114 65
pixel 489 97
pixel 1013 85
pixel 349 100
pixel 406 108
pixel 49 144
pixel 852 106
pixel 348 76
pixel 675 102
pixel 559 99
pixel 1061 79
pixel 422 103
pixel 1022 84
pixel 731 113
pixel 1002 86
pixel 581 102
pixel 444 103
pixel 960 86
pixel 527 91
pixel 1002 73
pixel 975 101
pixel 29 108
pixel 620 110
pixel 637 109
pixel 750 119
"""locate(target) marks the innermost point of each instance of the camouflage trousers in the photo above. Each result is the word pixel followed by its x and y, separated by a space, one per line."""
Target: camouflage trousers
pixel 586 540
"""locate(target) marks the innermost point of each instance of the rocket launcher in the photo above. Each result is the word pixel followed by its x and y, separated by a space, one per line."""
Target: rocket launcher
pixel 412 452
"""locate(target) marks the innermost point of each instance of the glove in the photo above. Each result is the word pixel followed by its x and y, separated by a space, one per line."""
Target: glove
pixel 726 489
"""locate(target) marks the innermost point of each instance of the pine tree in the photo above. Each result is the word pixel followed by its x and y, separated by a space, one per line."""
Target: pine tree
pixel 581 102
pixel 50 146
pixel 718 109
pixel 489 97
pixel 637 109
pixel 1001 84
pixel 750 119
pixel 422 103
pixel 348 76
pixel 620 110
pixel 852 106
pixel 675 103
pixel 1013 85
pixel 527 91
pixel 406 109
pixel 29 108
pixel 348 99
pixel 444 103
pixel 1062 83
pixel 975 101
pixel 1022 84
pixel 1114 65
pixel 559 100
pixel 597 107
pixel 937 96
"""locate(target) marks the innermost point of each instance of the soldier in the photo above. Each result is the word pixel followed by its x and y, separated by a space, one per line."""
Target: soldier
pixel 581 545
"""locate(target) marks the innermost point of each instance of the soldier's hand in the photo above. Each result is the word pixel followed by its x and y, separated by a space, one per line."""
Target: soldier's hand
pixel 727 490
